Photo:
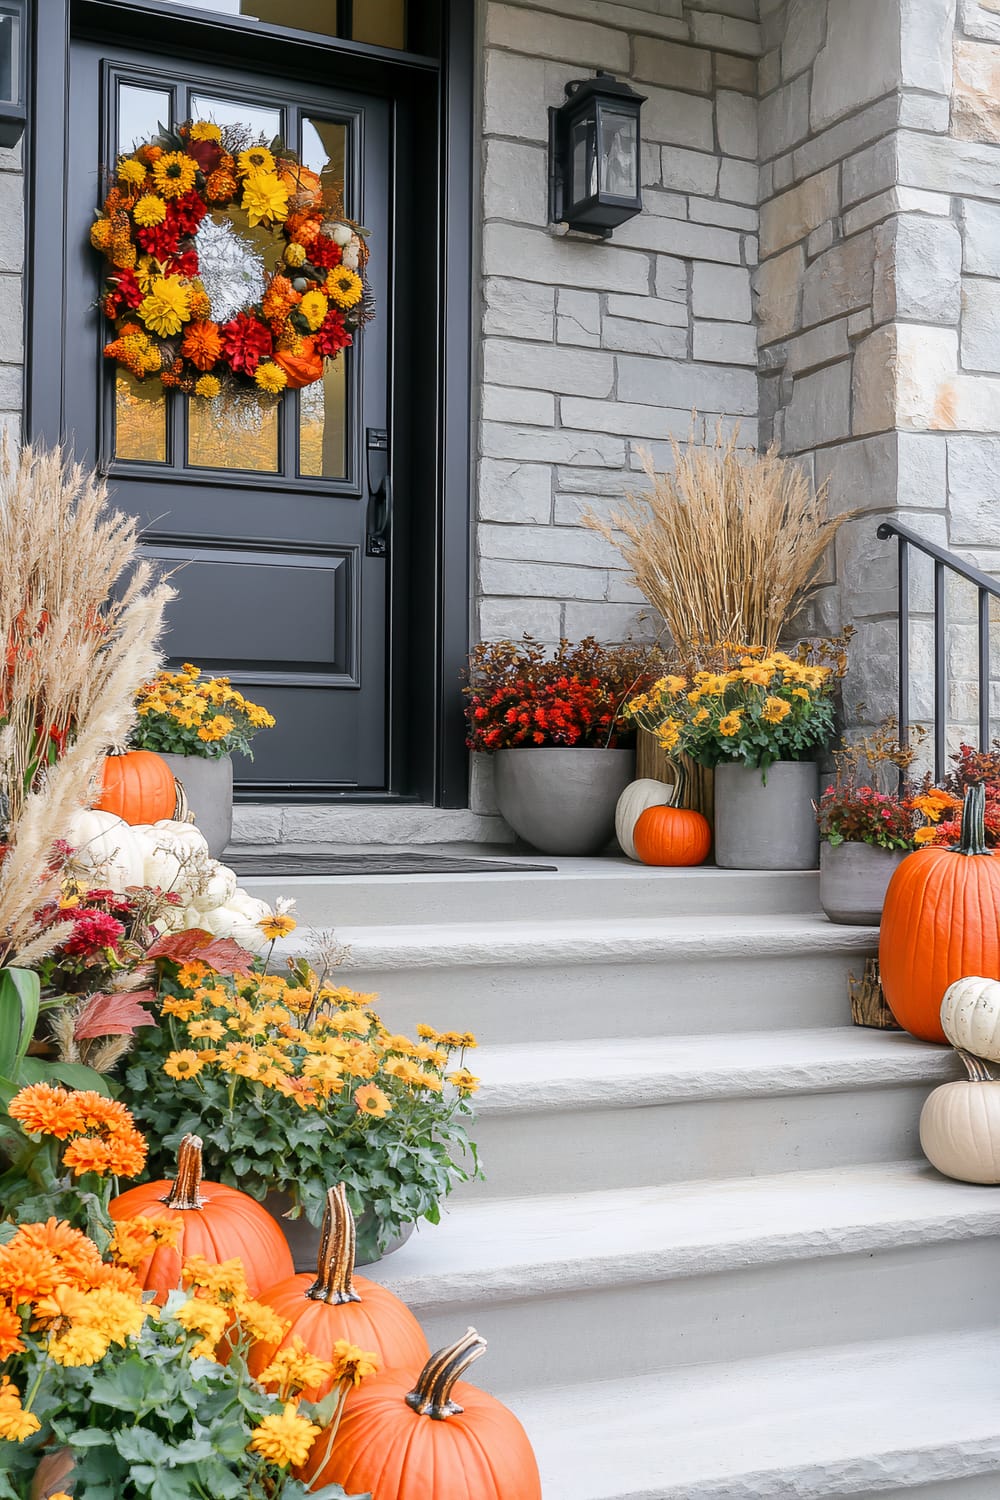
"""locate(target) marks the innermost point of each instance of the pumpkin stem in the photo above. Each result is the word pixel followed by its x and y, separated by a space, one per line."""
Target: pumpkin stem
pixel 973 836
pixel 978 1068
pixel 186 1189
pixel 680 783
pixel 335 1272
pixel 431 1396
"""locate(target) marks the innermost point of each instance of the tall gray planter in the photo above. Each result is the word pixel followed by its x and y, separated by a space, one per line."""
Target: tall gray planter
pixel 562 801
pixel 767 825
pixel 209 788
pixel 853 878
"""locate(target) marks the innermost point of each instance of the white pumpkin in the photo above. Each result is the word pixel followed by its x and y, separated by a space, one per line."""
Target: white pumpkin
pixel 238 921
pixel 633 802
pixel 218 890
pixel 106 847
pixel 960 1126
pixel 180 838
pixel 970 1016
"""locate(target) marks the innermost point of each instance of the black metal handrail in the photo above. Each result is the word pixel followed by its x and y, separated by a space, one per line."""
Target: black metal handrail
pixel 986 588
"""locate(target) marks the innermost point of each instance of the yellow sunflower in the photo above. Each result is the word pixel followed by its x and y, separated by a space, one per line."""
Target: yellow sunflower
pixel 344 287
pixel 256 159
pixel 314 308
pixel 174 174
pixel 166 307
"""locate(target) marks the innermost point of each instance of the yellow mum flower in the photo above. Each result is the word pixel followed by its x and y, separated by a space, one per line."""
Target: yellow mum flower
pixel 295 1367
pixel 700 716
pixel 78 1346
pixel 264 197
pixel 757 673
pixel 674 685
pixel 801 692
pixel 256 159
pixel 669 734
pixel 270 377
pixel 215 729
pixel 166 308
pixel 350 1363
pixel 314 308
pixel 16 1424
pixel 731 724
pixel 149 210
pixel 207 386
pixel 775 709
pixel 286 1439
pixel 174 174
pixel 204 130
pixel 344 287
pixel 464 1081
pixel 925 835
pixel 131 171
pixel 101 234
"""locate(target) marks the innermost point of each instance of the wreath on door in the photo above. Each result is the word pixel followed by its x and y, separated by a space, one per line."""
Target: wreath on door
pixel 199 304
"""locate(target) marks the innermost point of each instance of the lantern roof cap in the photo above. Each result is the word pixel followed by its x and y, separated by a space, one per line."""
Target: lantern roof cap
pixel 602 85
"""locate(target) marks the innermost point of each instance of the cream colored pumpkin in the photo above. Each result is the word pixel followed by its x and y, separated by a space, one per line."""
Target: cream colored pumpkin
pixel 960 1126
pixel 633 802
pixel 219 888
pixel 970 1016
pixel 107 848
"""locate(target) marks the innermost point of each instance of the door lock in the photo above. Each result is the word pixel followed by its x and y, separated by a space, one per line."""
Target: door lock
pixel 379 492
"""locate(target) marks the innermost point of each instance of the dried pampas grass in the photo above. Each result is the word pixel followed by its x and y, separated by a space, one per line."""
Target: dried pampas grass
pixel 728 546
pixel 80 616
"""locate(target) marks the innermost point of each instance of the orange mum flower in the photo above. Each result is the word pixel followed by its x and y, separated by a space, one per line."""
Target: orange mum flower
pixel 280 298
pixel 27 1273
pixel 303 228
pixel 77 1254
pixel 10 1332
pixel 41 1109
pixel 202 345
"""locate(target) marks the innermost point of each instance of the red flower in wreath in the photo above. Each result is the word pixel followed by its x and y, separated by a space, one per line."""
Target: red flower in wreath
pixel 186 213
pixel 323 252
pixel 332 336
pixel 207 154
pixel 126 288
pixel 184 264
pixel 159 240
pixel 245 342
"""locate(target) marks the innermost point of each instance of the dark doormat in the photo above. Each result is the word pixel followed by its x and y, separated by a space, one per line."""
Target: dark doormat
pixel 373 862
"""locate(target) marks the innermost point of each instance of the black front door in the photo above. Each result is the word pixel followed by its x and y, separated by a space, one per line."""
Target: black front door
pixel 277 524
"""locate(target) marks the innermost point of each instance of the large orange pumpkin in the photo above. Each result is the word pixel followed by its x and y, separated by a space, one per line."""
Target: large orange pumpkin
pixel 337 1305
pixel 408 1436
pixel 940 922
pixel 138 787
pixel 672 836
pixel 216 1221
pixel 301 369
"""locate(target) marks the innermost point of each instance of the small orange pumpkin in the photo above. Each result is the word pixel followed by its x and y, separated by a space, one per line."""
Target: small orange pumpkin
pixel 137 787
pixel 408 1436
pixel 672 836
pixel 301 369
pixel 334 1304
pixel 304 186
pixel 217 1222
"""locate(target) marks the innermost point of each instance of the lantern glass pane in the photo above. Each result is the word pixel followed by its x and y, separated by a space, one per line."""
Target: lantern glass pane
pixel 583 160
pixel 619 154
pixel 10 48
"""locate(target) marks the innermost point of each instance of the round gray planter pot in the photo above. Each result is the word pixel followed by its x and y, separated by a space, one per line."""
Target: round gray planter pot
pixel 853 880
pixel 767 825
pixel 209 788
pixel 304 1238
pixel 562 801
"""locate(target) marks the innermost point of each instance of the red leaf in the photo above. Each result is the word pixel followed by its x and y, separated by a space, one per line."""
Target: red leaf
pixel 114 1015
pixel 221 954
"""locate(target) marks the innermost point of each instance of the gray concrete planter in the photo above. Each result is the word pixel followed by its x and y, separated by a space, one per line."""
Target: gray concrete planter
pixel 853 880
pixel 767 825
pixel 562 801
pixel 209 788
pixel 304 1238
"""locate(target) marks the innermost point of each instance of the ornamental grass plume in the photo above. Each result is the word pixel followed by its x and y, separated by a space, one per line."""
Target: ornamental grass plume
pixel 80 618
pixel 728 546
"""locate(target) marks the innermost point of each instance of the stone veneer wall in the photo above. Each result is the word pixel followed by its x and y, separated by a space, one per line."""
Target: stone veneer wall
pixel 11 291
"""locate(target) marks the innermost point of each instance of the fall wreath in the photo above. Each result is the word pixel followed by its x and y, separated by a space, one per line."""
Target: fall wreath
pixel 201 304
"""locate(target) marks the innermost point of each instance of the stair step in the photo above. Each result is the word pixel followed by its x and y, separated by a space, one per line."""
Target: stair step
pixel 575 889
pixel 697 1272
pixel 711 1106
pixel 916 1417
pixel 561 980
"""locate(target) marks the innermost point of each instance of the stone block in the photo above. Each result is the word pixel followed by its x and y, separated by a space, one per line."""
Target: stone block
pixel 922 469
pixel 820 346
pixel 859 475
pixel 678 119
pixel 980 345
pixel 721 292
pixel 739 73
pixel 504 403
pixel 729 215
pixel 638 337
pixel 653 17
pixel 820 408
pixel 514 97
pixel 976 91
pixel 736 124
pixel 547 544
pixel 925 44
pixel 739 181
pixel 614 623
pixel 538 445
pixel 512 491
pixel 725 343
pixel 671 314
pixel 671 383
pixel 918 270
pixel 804 24
pixel 927 394
pixel 519 309
pixel 11 221
pixel 667 205
pixel 11 327
pixel 839 281
pixel 588 482
pixel 973 486
pixel 941 164
pixel 515 182
pixel 547 367
pixel 578 317
pixel 689 171
pixel 678 238
pixel 540 34
pixel 635 418
pixel 869 171
pixel 869 125
pixel 820 239
pixel 967 403
pixel 11 387
pixel 671 66
pixel 793 215
pixel 622 589
pixel 751 249
pixel 778 286
pixel 533 580
pixel 924 112
pixel 875 382
pixel 858 61
pixel 554 261
pixel 256 824
pixel 859 323
pixel 509 619
pixel 727 33
pixel 981 234
pixel 650 163
pixel 783 118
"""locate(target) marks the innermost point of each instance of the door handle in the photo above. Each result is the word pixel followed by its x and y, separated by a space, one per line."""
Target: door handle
pixel 380 511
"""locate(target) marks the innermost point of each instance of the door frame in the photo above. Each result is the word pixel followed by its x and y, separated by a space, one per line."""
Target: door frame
pixel 429 607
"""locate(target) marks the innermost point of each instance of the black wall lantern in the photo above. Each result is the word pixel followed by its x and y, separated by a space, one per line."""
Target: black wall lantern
pixel 594 155
pixel 13 72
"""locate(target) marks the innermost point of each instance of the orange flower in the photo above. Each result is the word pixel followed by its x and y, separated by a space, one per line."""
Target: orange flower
pixel 221 186
pixel 280 298
pixel 202 345
pixel 27 1272
pixel 43 1110
pixel 372 1101
pixel 302 228
pixel 78 1255
pixel 10 1332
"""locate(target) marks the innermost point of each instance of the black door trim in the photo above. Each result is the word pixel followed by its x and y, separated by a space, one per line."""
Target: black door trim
pixel 432 613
